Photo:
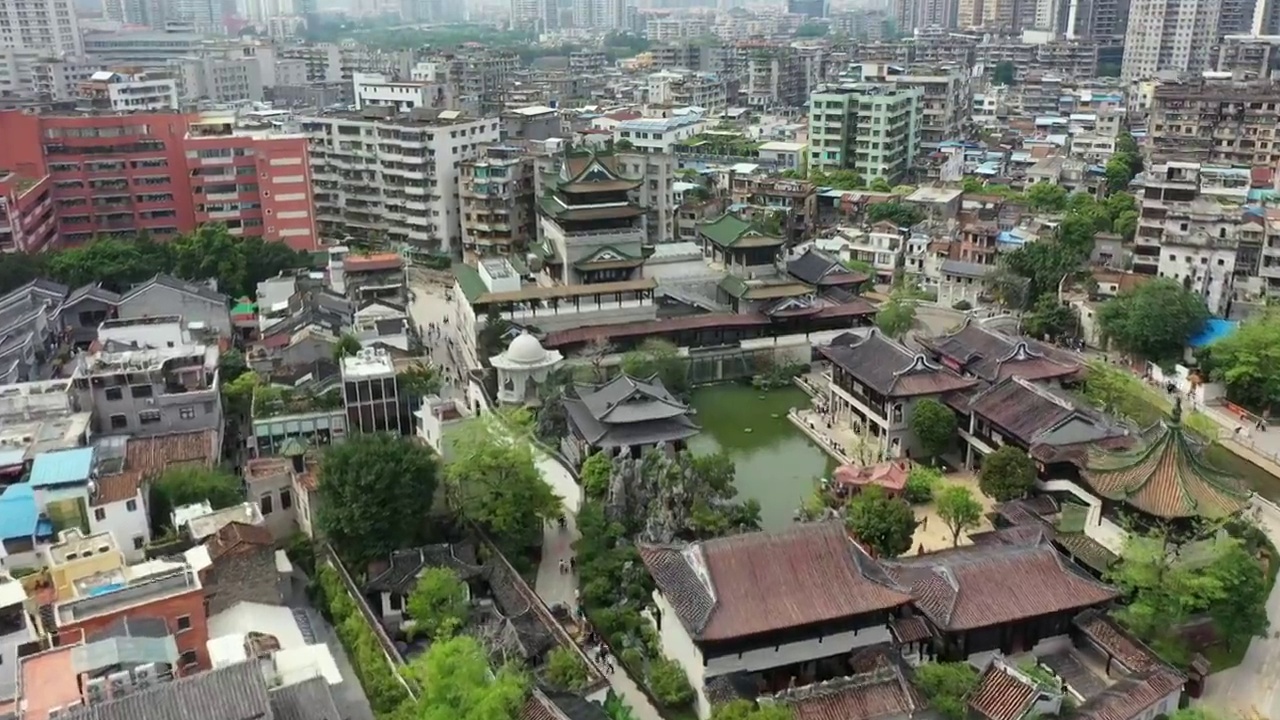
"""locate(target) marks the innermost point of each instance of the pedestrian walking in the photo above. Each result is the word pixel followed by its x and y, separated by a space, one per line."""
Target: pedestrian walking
pixel 564 568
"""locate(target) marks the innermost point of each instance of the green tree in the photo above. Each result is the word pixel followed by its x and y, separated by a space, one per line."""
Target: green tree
pixel 1154 320
pixel 669 683
pixel 495 482
pixel 1125 225
pixel 661 358
pixel 420 379
pixel 1042 265
pixel 1004 74
pixel 566 670
pixel 1119 173
pixel 934 425
pixel 747 710
pixel 880 185
pixel 1007 474
pixel 238 394
pixel 812 30
pixel 491 339
pixel 1248 361
pixel 439 604
pixel 231 365
pixel 1047 197
pixel 186 484
pixel 922 481
pixel 375 493
pixel 616 708
pixel 884 524
pixel 346 346
pixel 455 683
pixel 896 316
pixel 972 184
pixel 897 212
pixel 596 471
pixel 947 687
pixel 958 509
pixel 1049 318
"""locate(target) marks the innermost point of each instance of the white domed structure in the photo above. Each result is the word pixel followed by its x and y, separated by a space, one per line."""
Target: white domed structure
pixel 522 367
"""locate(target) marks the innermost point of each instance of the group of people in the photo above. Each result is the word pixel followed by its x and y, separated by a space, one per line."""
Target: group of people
pixel 595 648
pixel 432 334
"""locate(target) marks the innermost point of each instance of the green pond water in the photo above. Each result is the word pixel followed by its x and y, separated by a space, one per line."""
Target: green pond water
pixel 777 464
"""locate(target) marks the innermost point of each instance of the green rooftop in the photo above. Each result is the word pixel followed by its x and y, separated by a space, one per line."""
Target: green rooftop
pixel 729 230
pixel 469 281
pixel 274 401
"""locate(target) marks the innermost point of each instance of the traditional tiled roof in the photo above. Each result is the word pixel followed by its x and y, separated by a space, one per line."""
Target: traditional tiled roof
pixel 628 411
pixel 234 692
pixel 1130 698
pixel 1117 642
pixel 1020 408
pixel 729 230
pixel 405 565
pixel 994 356
pixel 235 534
pixel 990 584
pixel 817 268
pixel 306 700
pixel 888 368
pixel 195 289
pixel 882 691
pixel 1002 695
pixel 1168 478
pixel 146 458
pixel 767 581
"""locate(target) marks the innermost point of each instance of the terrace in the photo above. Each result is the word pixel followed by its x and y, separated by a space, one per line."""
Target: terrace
pixel 273 401
pixel 719 143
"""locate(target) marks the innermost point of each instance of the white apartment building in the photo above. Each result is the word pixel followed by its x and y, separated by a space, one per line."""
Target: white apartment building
pixel 375 90
pixel 603 14
pixel 1192 227
pixel 658 135
pixel 394 175
pixel 219 79
pixel 60 80
pixel 881 246
pixel 47 25
pixel 1173 36
pixel 688 89
pixel 129 92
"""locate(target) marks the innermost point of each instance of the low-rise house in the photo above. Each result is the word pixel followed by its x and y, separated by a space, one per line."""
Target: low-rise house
pixel 281 640
pixel 23 530
pixel 202 307
pixel 1144 685
pixel 625 416
pixel 1004 692
pixel 990 356
pixel 875 383
pixel 42 416
pixel 880 687
pixel 85 309
pixel 30 330
pixel 269 482
pixel 770 606
pixel 395 582
pixel 238 564
pixel 381 322
pixel 881 246
pixel 367 277
pixel 301 333
pixel 960 281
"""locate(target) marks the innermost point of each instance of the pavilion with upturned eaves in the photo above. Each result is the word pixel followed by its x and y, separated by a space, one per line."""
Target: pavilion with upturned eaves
pixel 590 229
pixel 1167 478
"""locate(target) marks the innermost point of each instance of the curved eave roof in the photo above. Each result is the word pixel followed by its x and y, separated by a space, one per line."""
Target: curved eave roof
pixel 1166 479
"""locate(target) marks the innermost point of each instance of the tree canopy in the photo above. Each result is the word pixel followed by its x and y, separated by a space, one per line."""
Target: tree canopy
pixel 1007 474
pixel 947 687
pixel 1045 196
pixel 237 263
pixel 897 212
pixel 439 604
pixel 455 683
pixel 958 509
pixel 1004 73
pixel 1248 361
pixel 882 523
pixel 897 316
pixel 662 358
pixel 747 710
pixel 495 482
pixel 934 425
pixel 184 485
pixel 1165 584
pixel 1154 320
pixel 376 491
pixel 1049 319
pixel 566 670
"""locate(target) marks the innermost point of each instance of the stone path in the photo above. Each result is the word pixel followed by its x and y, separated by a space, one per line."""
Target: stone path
pixel 556 587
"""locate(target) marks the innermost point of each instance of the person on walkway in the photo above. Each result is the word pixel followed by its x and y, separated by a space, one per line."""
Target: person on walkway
pixel 564 568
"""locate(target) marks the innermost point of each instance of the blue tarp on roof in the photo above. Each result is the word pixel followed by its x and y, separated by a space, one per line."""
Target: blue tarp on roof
pixel 1213 331
pixel 62 468
pixel 18 513
pixel 10 458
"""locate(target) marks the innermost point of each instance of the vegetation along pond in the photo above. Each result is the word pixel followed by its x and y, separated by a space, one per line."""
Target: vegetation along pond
pixel 777 464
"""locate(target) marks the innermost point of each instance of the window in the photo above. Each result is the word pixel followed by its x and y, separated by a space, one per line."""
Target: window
pixel 115 393
pixel 184 622
pixel 396 602
pixel 140 391
pixel 138 542
pixel 187 658
pixel 149 417
pixel 286 499
pixel 99 514
pixel 119 422
pixel 265 503
pixel 131 506
pixel 187 412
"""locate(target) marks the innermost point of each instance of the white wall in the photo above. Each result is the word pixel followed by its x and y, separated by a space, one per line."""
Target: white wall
pixel 123 524
pixel 678 646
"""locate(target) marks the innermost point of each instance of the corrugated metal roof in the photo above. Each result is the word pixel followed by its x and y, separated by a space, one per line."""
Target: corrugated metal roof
pixel 62 467
pixel 18 514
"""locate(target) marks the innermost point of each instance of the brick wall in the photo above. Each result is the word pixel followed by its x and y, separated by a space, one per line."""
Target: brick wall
pixel 190 604
pixel 242 575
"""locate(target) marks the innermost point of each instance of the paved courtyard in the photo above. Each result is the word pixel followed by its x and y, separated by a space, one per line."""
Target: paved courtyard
pixel 932 533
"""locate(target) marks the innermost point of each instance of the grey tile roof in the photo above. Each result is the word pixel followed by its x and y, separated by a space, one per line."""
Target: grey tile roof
pixel 191 288
pixel 92 291
pixel 811 266
pixel 626 435
pixel 888 367
pixel 402 572
pixel 308 700
pixel 625 399
pixel 234 692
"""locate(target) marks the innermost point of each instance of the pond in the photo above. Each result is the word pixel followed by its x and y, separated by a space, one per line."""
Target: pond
pixel 777 464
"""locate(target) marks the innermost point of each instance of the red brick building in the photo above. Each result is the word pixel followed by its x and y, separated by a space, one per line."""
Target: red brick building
pixel 164 173
pixel 27 222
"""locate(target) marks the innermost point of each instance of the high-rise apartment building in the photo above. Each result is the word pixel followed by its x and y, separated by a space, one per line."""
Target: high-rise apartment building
pixel 163 173
pixel 394 176
pixel 1220 122
pixel 1092 19
pixel 945 98
pixel 496 195
pixel 48 25
pixel 870 128
pixel 603 14
pixel 128 92
pixel 1170 36
pixel 775 77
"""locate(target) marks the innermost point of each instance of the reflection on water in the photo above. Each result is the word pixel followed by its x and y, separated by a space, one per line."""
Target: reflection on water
pixel 776 463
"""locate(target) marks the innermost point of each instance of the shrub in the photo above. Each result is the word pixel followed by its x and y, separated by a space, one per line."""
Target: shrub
pixel 384 690
pixel 962 305
pixel 669 684
pixel 921 483
pixel 566 670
